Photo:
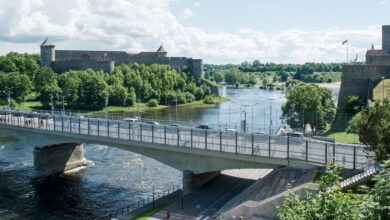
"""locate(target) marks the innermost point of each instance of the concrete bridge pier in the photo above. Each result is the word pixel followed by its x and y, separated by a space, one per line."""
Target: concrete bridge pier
pixel 59 158
pixel 193 181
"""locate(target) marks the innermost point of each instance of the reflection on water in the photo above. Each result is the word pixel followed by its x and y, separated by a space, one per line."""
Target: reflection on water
pixel 261 106
pixel 117 177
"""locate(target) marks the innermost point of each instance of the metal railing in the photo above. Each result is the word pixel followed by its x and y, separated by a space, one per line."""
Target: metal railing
pixel 152 201
pixel 254 144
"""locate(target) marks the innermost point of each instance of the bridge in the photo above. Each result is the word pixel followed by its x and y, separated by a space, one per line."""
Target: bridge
pixel 200 153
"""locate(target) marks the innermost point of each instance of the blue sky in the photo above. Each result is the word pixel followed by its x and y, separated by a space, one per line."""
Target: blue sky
pixel 218 31
pixel 276 15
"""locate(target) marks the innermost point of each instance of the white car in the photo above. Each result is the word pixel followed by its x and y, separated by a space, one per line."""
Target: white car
pixel 131 120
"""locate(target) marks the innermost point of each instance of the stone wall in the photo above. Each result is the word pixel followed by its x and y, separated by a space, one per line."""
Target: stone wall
pixel 118 57
pixel 359 80
pixel 62 66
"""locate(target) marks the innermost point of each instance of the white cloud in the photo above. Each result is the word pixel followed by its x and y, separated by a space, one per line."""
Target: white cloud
pixel 143 25
pixel 196 4
pixel 186 13
pixel 383 2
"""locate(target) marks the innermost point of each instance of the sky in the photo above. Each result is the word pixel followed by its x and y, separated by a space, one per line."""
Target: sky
pixel 217 31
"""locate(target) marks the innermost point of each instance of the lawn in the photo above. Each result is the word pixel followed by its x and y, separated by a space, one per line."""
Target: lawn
pixel 150 212
pixel 343 137
pixel 25 106
pixel 378 89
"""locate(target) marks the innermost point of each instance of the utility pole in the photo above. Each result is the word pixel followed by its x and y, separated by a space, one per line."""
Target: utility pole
pixel 229 116
pixel 176 107
pixel 270 118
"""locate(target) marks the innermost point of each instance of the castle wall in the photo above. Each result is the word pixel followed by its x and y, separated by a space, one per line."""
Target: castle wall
pixel 118 57
pixel 356 81
pixel 379 60
pixel 63 66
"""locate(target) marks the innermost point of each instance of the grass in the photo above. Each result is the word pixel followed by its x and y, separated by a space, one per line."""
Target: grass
pixel 343 137
pixel 150 212
pixel 26 106
pixel 30 105
pixel 378 89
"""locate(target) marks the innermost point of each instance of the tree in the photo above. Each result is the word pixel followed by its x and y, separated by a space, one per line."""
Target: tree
pixel 352 105
pixel 372 125
pixel 381 192
pixel 198 93
pixel 308 104
pixel 326 205
pixel 219 77
pixel 132 97
pixel 118 95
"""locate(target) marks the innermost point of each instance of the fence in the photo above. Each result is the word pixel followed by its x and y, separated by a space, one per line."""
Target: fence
pixel 290 148
pixel 144 204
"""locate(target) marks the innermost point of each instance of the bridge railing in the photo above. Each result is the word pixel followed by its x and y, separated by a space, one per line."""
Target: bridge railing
pixel 290 148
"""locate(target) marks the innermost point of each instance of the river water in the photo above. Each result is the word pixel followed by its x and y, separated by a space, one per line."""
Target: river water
pixel 115 177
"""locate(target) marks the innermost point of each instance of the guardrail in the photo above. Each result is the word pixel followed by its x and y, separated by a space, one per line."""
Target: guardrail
pixel 261 145
pixel 151 202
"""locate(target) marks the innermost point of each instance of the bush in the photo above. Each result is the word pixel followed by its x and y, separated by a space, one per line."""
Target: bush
pixel 352 105
pixel 189 97
pixel 152 103
pixel 208 100
pixel 198 93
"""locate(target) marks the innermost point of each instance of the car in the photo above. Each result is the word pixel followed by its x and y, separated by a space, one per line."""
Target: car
pixel 204 126
pixel 46 116
pixel 231 130
pixel 175 125
pixel 295 134
pixel 131 120
pixel 152 123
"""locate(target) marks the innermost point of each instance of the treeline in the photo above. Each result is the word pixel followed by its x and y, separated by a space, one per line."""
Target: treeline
pixel 129 83
pixel 254 72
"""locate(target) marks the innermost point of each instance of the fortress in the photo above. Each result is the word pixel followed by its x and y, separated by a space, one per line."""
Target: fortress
pixel 360 79
pixel 64 60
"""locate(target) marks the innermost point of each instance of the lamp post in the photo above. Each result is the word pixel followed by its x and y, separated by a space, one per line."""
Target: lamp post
pixel 8 92
pixel 51 103
pixel 176 107
pixel 63 104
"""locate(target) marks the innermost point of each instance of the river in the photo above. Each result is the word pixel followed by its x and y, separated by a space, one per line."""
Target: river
pixel 115 177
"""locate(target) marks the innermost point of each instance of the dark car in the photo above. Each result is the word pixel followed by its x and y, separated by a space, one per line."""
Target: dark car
pixel 204 126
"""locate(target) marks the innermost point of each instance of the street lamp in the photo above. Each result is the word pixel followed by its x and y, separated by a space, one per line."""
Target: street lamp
pixel 8 92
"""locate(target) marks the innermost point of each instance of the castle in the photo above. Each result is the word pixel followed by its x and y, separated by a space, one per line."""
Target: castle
pixel 64 60
pixel 360 79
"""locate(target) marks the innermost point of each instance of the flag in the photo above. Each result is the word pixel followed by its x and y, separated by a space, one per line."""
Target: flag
pixel 344 42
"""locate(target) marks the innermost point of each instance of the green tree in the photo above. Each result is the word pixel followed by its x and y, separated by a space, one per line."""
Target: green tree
pixel 373 127
pixel 381 192
pixel 199 93
pixel 352 105
pixel 308 104
pixel 219 77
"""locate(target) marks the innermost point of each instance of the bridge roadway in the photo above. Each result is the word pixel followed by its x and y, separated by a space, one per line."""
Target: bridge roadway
pixel 187 149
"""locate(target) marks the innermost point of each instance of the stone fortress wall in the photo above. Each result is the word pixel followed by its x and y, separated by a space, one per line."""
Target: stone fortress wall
pixel 64 60
pixel 360 79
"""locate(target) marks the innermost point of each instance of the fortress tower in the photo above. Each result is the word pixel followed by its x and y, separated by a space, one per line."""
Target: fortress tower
pixel 360 79
pixel 48 53
pixel 386 39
